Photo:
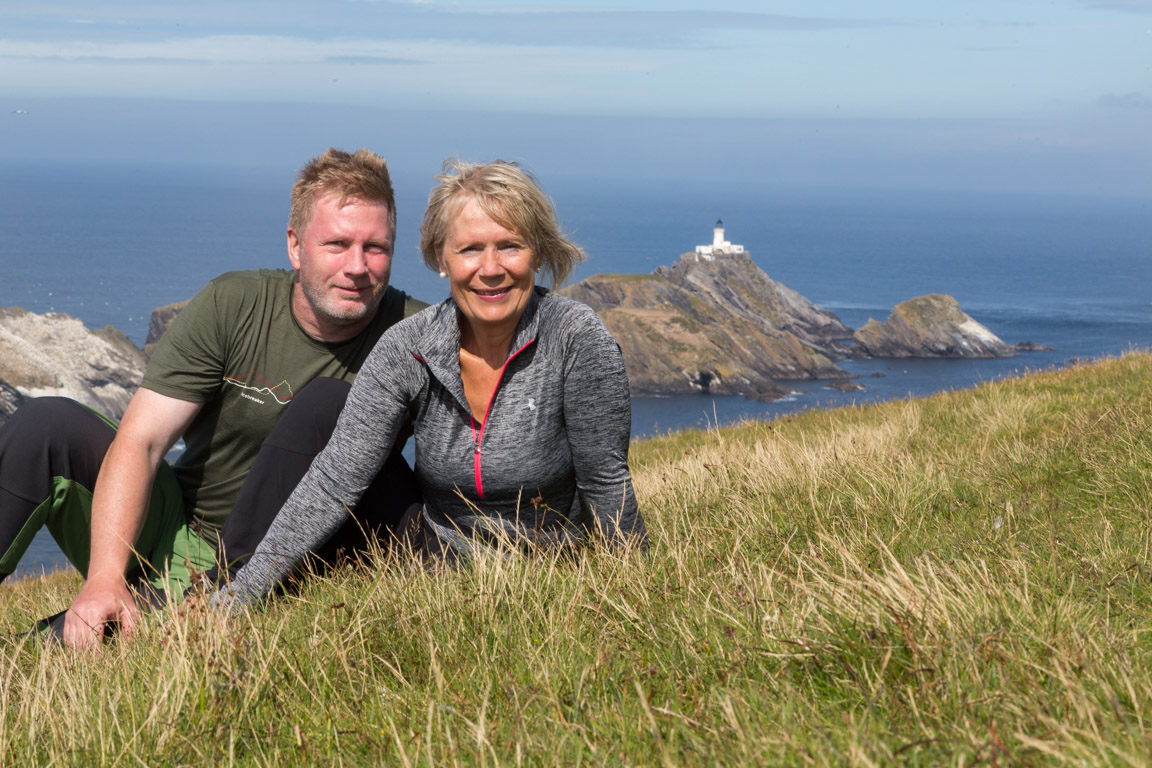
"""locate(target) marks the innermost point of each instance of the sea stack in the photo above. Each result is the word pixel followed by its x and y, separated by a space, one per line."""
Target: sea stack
pixel 930 326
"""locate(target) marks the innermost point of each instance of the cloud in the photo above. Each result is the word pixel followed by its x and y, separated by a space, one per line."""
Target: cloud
pixel 217 49
pixel 1131 100
pixel 373 60
pixel 129 21
pixel 96 59
pixel 672 61
pixel 1124 6
pixel 416 74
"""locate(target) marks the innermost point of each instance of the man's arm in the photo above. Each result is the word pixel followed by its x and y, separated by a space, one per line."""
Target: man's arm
pixel 152 423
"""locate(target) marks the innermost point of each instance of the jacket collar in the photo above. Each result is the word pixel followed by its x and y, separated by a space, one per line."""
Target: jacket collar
pixel 439 345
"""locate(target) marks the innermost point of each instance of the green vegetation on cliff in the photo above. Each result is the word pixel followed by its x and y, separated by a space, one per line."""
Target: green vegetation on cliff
pixel 960 579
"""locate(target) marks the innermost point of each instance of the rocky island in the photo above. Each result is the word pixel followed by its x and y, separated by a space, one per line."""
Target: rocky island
pixel 713 322
pixel 929 326
pixel 723 327
pixel 54 354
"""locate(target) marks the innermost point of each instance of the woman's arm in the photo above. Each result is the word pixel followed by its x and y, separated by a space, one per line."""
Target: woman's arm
pixel 598 416
pixel 365 433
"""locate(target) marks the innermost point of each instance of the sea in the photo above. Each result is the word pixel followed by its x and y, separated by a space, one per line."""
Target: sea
pixel 1071 273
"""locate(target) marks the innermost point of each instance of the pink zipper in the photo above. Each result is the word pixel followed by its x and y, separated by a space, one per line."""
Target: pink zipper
pixel 478 439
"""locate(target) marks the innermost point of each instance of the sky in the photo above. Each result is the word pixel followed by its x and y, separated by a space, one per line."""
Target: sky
pixel 1025 95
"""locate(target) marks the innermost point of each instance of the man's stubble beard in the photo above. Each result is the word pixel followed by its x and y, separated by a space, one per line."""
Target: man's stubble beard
pixel 350 315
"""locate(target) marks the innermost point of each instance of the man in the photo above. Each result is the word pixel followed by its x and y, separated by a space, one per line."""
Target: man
pixel 230 367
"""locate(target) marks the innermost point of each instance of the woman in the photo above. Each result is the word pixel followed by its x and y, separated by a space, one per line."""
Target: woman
pixel 517 397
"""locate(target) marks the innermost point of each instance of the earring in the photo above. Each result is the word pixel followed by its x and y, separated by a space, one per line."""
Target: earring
pixel 443 274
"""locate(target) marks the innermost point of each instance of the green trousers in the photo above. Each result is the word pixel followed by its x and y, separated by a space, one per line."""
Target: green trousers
pixel 50 454
pixel 167 553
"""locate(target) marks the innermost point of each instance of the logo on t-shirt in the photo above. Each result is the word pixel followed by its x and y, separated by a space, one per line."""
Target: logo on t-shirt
pixel 253 387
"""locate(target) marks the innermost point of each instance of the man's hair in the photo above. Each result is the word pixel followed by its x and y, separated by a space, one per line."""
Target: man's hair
pixel 510 197
pixel 360 176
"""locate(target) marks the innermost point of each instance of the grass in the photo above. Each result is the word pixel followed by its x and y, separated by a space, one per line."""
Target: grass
pixel 962 579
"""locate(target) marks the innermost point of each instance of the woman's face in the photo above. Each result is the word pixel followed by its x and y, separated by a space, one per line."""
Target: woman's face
pixel 489 270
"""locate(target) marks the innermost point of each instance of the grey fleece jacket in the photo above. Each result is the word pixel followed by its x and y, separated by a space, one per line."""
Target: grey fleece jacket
pixel 548 465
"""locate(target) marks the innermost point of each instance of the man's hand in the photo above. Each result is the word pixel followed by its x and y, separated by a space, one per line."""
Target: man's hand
pixel 151 424
pixel 99 603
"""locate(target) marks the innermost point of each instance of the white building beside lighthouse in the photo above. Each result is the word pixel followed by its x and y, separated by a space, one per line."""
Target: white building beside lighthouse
pixel 719 247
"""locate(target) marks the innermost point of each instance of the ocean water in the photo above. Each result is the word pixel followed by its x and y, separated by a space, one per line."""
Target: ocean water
pixel 109 245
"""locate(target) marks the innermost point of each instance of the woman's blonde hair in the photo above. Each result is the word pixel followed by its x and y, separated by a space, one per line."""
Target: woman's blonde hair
pixel 510 197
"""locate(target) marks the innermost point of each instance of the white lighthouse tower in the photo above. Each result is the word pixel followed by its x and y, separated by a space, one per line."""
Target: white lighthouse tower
pixel 719 247
pixel 718 242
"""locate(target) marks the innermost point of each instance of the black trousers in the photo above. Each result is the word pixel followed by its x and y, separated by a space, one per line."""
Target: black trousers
pixel 283 460
pixel 52 438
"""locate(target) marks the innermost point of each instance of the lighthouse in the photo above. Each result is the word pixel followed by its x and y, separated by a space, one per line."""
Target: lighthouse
pixel 719 247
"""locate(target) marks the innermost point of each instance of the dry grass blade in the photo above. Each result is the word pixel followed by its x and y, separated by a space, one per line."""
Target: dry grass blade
pixel 962 580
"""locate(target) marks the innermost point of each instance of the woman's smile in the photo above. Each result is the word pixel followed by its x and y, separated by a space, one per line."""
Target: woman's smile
pixel 490 270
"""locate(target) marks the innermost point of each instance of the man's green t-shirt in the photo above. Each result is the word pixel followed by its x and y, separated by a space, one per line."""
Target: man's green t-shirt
pixel 238 349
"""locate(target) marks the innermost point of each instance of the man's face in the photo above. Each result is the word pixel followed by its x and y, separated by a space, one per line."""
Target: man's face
pixel 343 259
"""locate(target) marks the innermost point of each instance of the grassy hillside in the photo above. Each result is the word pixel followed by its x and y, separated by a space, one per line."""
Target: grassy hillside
pixel 961 579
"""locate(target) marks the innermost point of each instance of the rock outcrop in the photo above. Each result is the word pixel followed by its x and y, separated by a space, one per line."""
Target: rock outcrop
pixel 930 326
pixel 720 326
pixel 161 318
pixel 54 354
pixel 10 400
pixel 744 290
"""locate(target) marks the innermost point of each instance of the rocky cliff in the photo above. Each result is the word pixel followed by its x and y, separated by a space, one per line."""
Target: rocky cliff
pixel 930 326
pixel 158 323
pixel 722 326
pixel 744 290
pixel 10 400
pixel 55 354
